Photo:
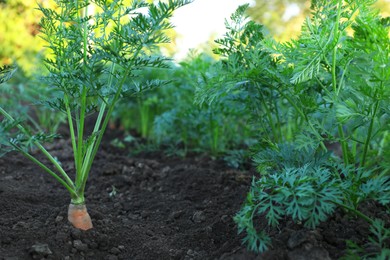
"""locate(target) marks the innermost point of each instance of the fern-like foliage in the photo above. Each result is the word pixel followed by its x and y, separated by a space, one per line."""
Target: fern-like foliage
pixel 94 53
pixel 6 73
pixel 328 86
pixel 306 187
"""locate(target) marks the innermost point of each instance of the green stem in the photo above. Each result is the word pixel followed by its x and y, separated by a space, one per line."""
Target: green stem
pixel 336 35
pixel 143 112
pixel 71 129
pixel 92 150
pixel 87 159
pixel 357 212
pixel 214 133
pixel 43 150
pixel 87 166
pixel 44 167
pixel 344 145
pixel 269 116
pixel 278 122
pixel 300 112
pixel 54 161
pixel 80 136
pixel 83 102
pixel 382 143
pixel 369 134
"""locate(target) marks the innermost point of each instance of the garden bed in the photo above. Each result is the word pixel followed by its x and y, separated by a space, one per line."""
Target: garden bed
pixel 149 207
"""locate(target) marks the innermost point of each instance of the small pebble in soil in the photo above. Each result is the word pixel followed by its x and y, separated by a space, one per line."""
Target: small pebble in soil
pixel 209 230
pixel 21 224
pixel 145 214
pixel 115 251
pixel 165 171
pixel 80 246
pixel 317 253
pixel 150 233
pixel 61 237
pixel 225 218
pixel 298 238
pixel 111 257
pixel 39 251
pixel 76 233
pixel 198 217
pixel 175 215
pixel 175 253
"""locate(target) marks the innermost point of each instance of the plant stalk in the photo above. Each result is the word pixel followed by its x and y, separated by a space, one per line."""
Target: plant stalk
pixel 40 147
pixel 336 35
pixel 357 212
pixel 369 135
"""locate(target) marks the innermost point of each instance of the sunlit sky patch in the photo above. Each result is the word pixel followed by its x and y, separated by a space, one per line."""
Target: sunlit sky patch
pixel 200 20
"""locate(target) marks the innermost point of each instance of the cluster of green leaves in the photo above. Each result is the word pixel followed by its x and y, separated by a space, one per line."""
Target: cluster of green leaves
pixel 328 86
pixel 23 95
pixel 377 241
pixel 337 80
pixel 138 112
pixel 92 58
pixel 305 186
pixel 248 74
pixel 276 15
pixel 170 118
pixel 41 129
pixel 206 127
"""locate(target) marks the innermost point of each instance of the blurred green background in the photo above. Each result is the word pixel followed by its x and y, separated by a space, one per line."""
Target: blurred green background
pixel 19 27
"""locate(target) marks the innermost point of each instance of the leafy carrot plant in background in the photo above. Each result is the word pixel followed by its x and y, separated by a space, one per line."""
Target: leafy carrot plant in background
pixel 169 118
pixel 92 56
pixel 329 86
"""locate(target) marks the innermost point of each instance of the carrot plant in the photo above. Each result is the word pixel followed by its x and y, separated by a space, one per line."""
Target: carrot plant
pixel 210 128
pixel 169 118
pixel 95 48
pixel 28 95
pixel 330 85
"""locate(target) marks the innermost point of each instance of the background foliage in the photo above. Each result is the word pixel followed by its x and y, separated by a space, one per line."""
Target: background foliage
pixel 19 21
pixel 273 14
pixel 19 27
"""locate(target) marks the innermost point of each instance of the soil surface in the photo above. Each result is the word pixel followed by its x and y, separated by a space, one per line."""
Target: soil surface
pixel 150 206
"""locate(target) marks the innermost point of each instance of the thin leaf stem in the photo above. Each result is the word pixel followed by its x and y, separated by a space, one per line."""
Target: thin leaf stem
pixel 279 127
pixel 336 90
pixel 83 107
pixel 88 160
pixel 336 35
pixel 369 134
pixel 44 167
pixel 92 150
pixel 71 129
pixel 96 145
pixel 357 212
pixel 80 138
pixel 271 122
pixel 300 112
pixel 40 147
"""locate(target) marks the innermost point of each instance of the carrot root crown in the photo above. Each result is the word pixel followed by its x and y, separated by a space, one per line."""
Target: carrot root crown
pixel 79 217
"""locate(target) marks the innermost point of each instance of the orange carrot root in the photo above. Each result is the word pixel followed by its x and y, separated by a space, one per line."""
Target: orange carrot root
pixel 79 217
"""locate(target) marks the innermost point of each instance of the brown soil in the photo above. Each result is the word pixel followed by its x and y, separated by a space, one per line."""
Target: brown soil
pixel 149 207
